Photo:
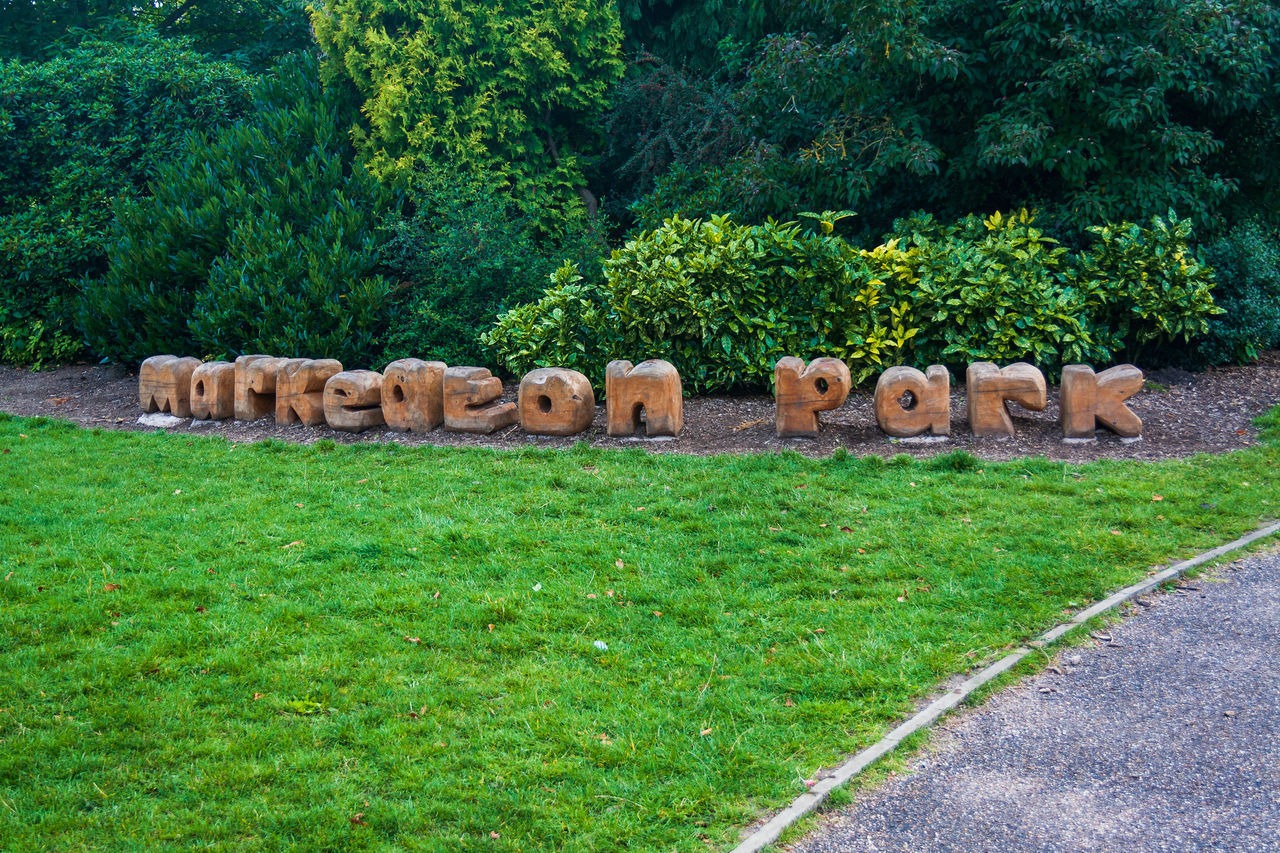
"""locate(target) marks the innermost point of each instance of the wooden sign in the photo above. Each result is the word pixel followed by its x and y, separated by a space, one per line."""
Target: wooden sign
pixel 1089 399
pixel 928 406
pixel 648 393
pixel 990 389
pixel 255 386
pixel 300 386
pixel 164 384
pixel 413 395
pixel 213 391
pixel 555 401
pixel 420 395
pixel 471 396
pixel 801 392
pixel 353 400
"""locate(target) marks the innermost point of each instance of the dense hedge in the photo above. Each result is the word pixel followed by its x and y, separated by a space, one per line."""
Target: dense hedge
pixel 262 236
pixel 724 301
pixel 77 133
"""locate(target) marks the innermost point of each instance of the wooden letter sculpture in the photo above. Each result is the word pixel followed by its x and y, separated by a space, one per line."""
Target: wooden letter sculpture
pixel 353 400
pixel 471 401
pixel 1089 399
pixel 988 389
pixel 413 395
pixel 213 391
pixel 164 384
pixel 929 409
pixel 555 401
pixel 801 392
pixel 255 386
pixel 648 393
pixel 300 389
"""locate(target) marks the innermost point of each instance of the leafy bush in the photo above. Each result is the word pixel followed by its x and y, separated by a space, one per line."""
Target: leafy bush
pixel 995 289
pixel 723 302
pixel 262 236
pixel 1247 264
pixel 465 255
pixel 1144 287
pixel 510 93
pixel 77 133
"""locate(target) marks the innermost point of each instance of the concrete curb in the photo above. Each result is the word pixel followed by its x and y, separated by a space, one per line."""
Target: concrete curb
pixel 811 799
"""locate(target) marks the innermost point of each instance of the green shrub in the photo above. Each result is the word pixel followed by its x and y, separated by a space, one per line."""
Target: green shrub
pixel 465 255
pixel 1246 262
pixel 995 289
pixel 1144 287
pixel 262 236
pixel 78 133
pixel 722 302
pixel 567 327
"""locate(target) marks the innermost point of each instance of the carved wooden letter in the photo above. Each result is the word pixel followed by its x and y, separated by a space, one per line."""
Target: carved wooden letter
pixel 300 389
pixel 256 386
pixel 1089 399
pixel 929 408
pixel 801 392
pixel 353 400
pixel 164 384
pixel 213 391
pixel 651 388
pixel 413 395
pixel 988 389
pixel 471 401
pixel 555 401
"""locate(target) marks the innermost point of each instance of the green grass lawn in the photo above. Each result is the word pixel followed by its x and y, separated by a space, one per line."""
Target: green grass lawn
pixel 282 647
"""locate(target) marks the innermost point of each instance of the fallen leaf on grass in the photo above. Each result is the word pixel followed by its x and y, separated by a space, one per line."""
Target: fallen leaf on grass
pixel 657 613
pixel 495 834
pixel 412 640
pixel 177 491
pixel 365 480
pixel 200 610
pixel 845 529
pixel 291 544
pixel 618 562
pixel 358 819
pixel 705 732
pixel 258 696
pixel 1157 497
pixel 111 587
pixel 591 595
pixel 1115 533
pixel 789 703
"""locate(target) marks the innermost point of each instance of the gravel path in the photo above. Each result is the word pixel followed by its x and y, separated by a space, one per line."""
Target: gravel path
pixel 1165 736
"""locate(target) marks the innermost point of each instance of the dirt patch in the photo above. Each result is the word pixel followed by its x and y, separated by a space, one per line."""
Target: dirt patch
pixel 1182 414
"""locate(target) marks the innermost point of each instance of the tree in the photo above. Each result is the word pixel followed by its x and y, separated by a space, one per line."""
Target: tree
pixel 255 32
pixel 511 92
pixel 1088 110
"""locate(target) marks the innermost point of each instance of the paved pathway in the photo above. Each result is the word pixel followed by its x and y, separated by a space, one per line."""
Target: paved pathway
pixel 1165 738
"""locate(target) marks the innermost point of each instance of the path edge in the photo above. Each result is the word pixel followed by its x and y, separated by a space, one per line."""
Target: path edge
pixel 815 796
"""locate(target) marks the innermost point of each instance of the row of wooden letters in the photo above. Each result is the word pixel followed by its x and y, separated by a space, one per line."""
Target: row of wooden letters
pixel 415 395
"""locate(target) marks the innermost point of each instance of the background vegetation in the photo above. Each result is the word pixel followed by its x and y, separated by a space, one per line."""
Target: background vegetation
pixel 470 153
